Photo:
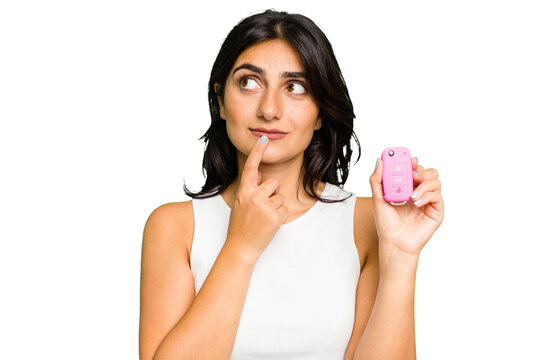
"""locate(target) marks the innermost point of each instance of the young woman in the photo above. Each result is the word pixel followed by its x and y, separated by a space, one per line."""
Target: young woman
pixel 273 259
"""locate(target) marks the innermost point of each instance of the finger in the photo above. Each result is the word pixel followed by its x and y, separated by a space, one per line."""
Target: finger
pixel 276 190
pixel 433 198
pixel 438 205
pixel 277 201
pixel 426 186
pixel 251 174
pixel 414 162
pixel 269 188
pixel 430 173
pixel 418 177
pixel 375 181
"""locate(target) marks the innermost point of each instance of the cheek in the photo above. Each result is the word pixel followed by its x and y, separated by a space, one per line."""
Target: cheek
pixel 239 107
pixel 238 119
pixel 304 117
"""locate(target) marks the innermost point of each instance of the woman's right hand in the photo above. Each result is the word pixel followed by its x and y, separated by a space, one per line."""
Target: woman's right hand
pixel 258 210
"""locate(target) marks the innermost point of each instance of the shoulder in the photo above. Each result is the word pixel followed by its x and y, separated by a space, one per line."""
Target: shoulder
pixel 170 224
pixel 365 231
pixel 167 286
pixel 172 215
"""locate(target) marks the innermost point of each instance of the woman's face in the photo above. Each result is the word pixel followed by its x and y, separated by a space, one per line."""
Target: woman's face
pixel 265 89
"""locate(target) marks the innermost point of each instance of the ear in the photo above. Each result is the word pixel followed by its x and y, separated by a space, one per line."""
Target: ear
pixel 318 123
pixel 220 100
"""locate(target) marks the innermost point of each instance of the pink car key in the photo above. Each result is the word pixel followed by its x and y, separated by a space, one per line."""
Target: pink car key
pixel 397 178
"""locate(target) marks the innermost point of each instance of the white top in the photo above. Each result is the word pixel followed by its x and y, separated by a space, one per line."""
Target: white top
pixel 302 292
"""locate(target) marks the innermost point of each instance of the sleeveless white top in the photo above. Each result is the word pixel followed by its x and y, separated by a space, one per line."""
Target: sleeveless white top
pixel 300 303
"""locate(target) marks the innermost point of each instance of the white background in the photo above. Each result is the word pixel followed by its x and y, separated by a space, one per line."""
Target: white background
pixel 102 104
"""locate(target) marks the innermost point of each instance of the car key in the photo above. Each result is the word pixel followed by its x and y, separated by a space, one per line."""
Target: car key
pixel 397 178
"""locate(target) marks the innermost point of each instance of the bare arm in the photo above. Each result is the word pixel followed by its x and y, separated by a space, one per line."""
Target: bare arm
pixel 390 333
pixel 174 323
pixel 208 328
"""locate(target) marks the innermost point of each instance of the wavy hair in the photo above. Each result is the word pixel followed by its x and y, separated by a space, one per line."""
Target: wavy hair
pixel 329 152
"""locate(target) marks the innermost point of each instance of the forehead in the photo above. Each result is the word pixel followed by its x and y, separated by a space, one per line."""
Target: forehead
pixel 271 55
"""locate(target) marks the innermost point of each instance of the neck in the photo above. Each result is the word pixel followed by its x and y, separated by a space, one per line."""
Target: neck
pixel 289 174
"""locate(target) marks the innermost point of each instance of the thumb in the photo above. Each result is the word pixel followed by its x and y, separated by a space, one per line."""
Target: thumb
pixel 376 181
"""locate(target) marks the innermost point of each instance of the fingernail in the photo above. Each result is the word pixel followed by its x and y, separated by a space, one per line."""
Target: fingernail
pixel 418 172
pixel 263 139
pixel 416 159
pixel 414 195
pixel 417 202
pixel 377 164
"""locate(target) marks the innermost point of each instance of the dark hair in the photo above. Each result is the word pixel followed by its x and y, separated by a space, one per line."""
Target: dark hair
pixel 329 150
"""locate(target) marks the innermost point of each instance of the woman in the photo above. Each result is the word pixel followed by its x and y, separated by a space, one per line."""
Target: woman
pixel 273 259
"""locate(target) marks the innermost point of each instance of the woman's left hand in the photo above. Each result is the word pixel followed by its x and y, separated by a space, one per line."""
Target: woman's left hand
pixel 408 227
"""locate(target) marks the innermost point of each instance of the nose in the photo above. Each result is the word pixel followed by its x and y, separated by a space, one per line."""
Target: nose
pixel 270 106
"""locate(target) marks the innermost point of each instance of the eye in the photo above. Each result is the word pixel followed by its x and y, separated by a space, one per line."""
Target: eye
pixel 300 87
pixel 245 81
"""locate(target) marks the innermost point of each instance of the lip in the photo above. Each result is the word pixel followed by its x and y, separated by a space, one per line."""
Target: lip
pixel 271 136
pixel 269 131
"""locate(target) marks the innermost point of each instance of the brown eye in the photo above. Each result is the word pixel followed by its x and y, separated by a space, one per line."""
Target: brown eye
pixel 244 83
pixel 299 88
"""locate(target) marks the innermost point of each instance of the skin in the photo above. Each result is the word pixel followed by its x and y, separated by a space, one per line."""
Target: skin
pixel 272 102
pixel 180 324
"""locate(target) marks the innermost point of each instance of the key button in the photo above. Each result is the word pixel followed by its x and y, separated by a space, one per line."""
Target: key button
pixel 397 180
pixel 398 169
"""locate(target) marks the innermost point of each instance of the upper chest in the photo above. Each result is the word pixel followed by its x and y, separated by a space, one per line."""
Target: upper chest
pixel 363 221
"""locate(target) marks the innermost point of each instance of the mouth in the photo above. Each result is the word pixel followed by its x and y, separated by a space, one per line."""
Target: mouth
pixel 270 135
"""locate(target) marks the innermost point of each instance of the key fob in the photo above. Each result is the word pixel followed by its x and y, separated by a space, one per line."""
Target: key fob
pixel 397 178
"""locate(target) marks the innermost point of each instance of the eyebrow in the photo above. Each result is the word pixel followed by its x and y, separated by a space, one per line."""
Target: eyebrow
pixel 258 70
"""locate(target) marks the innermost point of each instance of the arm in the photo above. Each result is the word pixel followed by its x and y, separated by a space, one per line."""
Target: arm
pixel 208 329
pixel 390 333
pixel 174 321
pixel 402 232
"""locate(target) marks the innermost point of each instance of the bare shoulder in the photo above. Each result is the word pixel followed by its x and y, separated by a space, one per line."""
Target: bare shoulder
pixel 365 232
pixel 174 222
pixel 167 285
